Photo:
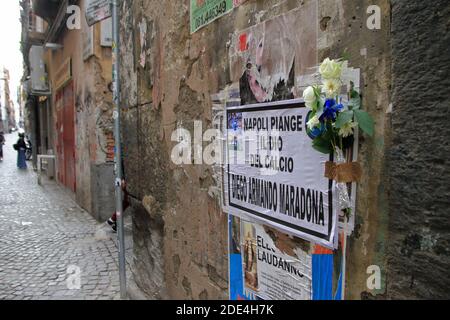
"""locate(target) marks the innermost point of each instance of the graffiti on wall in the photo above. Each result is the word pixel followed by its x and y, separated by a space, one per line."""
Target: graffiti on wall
pixel 105 132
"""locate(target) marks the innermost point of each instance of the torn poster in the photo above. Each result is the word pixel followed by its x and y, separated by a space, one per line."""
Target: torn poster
pixel 264 268
pixel 268 58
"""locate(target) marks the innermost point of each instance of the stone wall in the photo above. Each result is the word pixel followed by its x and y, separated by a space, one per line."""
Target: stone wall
pixel 419 155
pixel 168 76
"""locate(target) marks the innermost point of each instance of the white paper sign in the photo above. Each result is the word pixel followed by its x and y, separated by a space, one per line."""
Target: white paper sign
pixel 273 173
pixel 97 10
pixel 106 39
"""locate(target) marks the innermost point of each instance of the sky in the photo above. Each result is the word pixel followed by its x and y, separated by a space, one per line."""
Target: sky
pixel 10 36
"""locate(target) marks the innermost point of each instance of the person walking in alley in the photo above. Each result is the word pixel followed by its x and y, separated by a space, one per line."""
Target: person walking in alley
pixel 2 142
pixel 21 147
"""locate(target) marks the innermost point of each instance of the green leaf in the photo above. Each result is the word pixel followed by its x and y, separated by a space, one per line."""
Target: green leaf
pixel 365 122
pixel 343 118
pixel 320 105
pixel 355 100
pixel 353 93
pixel 346 56
pixel 321 149
pixel 322 145
pixel 317 91
pixel 354 104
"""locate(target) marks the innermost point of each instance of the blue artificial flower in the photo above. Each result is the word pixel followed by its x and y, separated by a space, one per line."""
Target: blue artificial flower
pixel 330 110
pixel 329 103
pixel 317 132
pixel 339 107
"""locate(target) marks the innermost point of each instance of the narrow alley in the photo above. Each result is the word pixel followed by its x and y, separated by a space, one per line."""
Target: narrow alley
pixel 45 237
pixel 227 151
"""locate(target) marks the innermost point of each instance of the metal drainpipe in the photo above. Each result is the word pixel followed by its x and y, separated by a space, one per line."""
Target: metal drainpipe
pixel 118 153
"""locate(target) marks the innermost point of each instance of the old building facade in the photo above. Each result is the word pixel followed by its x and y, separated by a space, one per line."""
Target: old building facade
pixel 7 110
pixel 71 112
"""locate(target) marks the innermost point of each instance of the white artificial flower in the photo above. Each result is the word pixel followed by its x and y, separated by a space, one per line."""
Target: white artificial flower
pixel 331 69
pixel 313 122
pixel 347 129
pixel 310 97
pixel 332 88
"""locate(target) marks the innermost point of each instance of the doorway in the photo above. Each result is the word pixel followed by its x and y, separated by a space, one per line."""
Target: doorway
pixel 65 127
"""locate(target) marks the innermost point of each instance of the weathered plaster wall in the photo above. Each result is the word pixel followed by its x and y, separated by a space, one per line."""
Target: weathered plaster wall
pixel 180 233
pixel 419 211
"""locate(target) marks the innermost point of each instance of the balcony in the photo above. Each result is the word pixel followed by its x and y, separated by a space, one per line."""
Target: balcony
pixel 37 28
pixel 47 9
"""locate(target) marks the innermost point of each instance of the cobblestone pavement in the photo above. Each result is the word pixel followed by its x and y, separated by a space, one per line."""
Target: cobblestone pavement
pixel 45 237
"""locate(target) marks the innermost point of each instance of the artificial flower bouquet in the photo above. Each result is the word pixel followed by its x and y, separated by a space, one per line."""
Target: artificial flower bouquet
pixel 331 120
pixel 331 124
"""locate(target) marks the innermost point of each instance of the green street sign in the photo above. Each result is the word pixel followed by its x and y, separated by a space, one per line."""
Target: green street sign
pixel 204 12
